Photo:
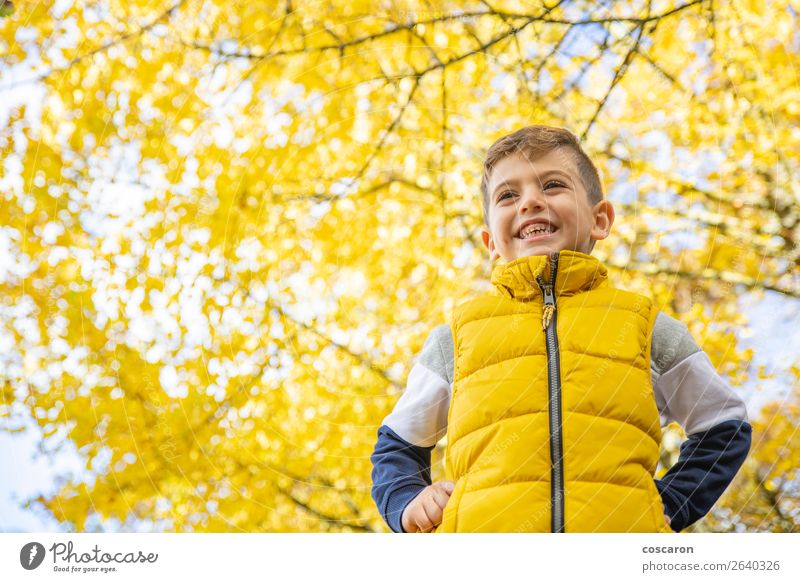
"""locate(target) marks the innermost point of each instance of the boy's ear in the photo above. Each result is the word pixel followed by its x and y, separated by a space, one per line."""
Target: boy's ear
pixel 489 243
pixel 603 214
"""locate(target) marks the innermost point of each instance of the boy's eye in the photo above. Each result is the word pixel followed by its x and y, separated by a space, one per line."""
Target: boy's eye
pixel 547 184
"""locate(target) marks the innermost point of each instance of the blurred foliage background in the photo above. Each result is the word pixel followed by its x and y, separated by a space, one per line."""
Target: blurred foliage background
pixel 227 227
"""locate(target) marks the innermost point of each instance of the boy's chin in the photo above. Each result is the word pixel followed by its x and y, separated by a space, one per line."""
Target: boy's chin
pixel 537 250
pixel 522 250
pixel 532 251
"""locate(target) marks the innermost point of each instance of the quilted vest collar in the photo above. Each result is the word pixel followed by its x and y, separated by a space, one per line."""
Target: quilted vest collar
pixel 576 272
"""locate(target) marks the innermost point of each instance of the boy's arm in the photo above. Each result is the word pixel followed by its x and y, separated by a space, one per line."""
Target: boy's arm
pixel 401 461
pixel 689 391
pixel 400 471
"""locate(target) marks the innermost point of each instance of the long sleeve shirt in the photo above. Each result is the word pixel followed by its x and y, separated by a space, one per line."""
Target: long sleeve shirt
pixel 686 388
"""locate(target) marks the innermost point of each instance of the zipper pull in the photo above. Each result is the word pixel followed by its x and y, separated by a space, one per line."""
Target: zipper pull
pixel 549 305
pixel 549 301
pixel 547 291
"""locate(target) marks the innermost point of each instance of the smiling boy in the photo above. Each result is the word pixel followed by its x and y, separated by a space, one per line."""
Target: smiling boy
pixel 542 207
pixel 553 388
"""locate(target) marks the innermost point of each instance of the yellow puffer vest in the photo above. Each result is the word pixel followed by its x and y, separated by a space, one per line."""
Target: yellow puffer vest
pixel 552 423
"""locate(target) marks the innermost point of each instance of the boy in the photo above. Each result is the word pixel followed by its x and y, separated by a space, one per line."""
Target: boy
pixel 553 388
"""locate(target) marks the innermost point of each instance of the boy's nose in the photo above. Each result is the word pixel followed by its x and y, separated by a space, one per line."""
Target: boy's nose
pixel 532 199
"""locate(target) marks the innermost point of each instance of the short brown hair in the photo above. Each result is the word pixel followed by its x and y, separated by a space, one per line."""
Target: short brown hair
pixel 536 140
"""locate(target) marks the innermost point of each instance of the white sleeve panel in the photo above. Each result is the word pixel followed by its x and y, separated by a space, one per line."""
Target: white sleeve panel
pixel 420 415
pixel 692 394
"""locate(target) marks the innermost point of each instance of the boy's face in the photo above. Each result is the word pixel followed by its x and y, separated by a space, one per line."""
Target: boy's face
pixel 548 192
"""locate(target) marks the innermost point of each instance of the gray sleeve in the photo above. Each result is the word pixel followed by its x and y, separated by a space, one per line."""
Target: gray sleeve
pixel 686 386
pixel 671 343
pixel 420 415
pixel 437 353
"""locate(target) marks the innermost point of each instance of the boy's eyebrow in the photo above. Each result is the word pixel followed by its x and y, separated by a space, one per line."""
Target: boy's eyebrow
pixel 542 176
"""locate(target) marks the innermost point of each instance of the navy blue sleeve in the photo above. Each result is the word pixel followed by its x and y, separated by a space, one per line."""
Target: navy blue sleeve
pixel 400 471
pixel 707 463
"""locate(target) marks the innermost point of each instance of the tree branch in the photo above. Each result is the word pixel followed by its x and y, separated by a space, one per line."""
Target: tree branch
pixel 618 74
pixel 331 520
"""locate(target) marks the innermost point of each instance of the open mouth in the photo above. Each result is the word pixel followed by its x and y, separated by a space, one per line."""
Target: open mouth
pixel 541 232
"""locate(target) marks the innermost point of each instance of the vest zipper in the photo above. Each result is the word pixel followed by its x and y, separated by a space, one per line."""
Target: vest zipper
pixel 554 397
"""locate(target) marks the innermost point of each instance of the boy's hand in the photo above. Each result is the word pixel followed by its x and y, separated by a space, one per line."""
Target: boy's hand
pixel 425 511
pixel 668 520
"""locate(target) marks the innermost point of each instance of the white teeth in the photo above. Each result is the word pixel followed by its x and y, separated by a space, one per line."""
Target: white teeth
pixel 535 229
